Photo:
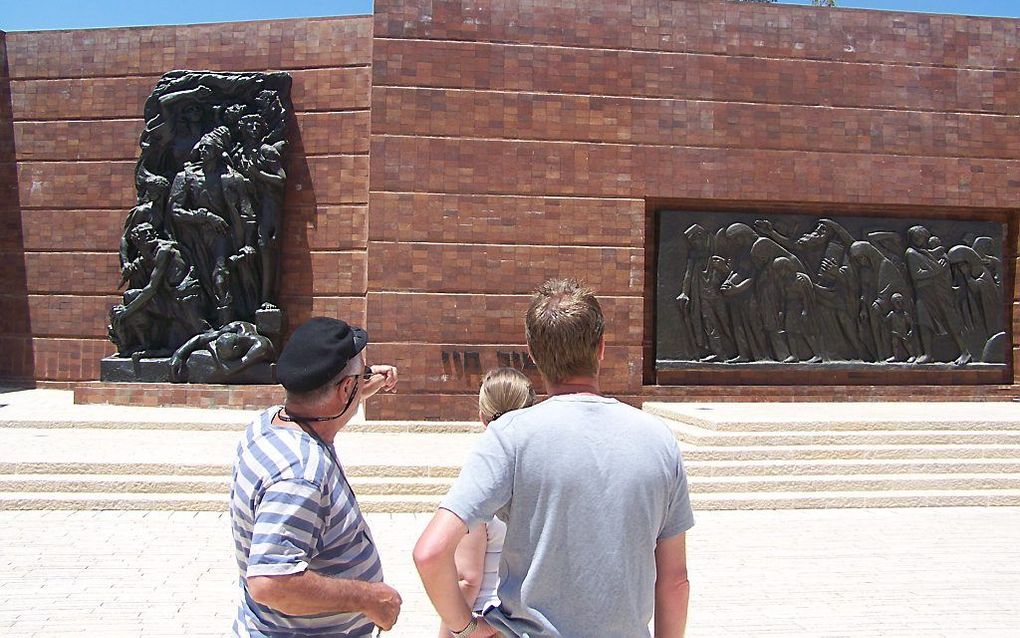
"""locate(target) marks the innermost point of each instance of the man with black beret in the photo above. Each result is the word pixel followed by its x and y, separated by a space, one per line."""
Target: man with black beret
pixel 308 563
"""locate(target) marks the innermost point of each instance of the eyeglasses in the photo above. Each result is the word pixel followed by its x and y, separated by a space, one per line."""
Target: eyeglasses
pixel 364 375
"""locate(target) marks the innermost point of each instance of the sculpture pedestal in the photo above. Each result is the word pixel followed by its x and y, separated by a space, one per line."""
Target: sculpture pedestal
pixel 201 369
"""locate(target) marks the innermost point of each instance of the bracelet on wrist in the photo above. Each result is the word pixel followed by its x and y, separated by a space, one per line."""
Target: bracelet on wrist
pixel 466 631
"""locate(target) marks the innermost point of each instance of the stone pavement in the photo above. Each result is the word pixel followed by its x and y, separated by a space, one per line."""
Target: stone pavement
pixel 864 572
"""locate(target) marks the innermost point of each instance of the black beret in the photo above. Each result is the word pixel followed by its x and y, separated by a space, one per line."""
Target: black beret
pixel 317 352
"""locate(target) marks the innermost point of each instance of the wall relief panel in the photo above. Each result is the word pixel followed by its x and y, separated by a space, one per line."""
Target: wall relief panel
pixel 200 250
pixel 783 292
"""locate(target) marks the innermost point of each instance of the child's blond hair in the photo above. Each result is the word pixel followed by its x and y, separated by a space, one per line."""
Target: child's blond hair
pixel 503 390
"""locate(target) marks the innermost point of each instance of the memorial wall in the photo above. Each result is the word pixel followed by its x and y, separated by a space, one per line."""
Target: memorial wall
pixel 446 157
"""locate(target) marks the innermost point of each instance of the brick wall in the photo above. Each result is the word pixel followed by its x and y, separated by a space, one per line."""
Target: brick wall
pixel 74 114
pixel 450 155
pixel 15 342
pixel 513 141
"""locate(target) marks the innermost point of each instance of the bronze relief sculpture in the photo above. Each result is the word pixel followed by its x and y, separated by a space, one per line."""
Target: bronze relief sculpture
pixel 200 250
pixel 746 289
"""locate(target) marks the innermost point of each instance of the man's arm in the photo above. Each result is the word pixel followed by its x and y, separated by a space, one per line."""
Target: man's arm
pixel 309 593
pixel 672 590
pixel 289 521
pixel 384 377
pixel 470 561
pixel 433 556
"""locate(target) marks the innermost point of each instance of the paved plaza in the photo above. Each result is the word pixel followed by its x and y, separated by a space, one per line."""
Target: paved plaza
pixel 861 572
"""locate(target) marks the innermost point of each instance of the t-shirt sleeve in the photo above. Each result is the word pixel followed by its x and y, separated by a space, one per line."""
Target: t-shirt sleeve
pixel 288 522
pixel 486 481
pixel 679 516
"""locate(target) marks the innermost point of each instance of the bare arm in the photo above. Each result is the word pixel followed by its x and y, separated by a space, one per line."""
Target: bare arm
pixel 434 558
pixel 384 377
pixel 149 291
pixel 470 561
pixel 310 593
pixel 672 590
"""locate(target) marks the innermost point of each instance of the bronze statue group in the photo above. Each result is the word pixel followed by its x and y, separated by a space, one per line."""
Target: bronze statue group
pixel 200 250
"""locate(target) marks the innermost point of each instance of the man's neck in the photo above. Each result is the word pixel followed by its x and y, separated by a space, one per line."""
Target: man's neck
pixel 575 385
pixel 325 430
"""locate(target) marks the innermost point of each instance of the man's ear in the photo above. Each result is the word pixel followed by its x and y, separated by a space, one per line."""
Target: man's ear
pixel 602 348
pixel 343 388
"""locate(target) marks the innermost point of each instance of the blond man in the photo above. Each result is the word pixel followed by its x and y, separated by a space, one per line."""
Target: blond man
pixel 593 492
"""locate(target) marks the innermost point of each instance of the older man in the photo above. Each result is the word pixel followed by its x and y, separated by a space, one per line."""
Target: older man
pixel 308 563
pixel 593 493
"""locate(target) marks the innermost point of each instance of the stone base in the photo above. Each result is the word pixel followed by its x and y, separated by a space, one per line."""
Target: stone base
pixel 190 395
pixel 200 370
pixel 143 370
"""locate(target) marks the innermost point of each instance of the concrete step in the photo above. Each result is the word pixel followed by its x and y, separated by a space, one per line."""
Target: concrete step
pixel 114 484
pixel 699 468
pixel 697 436
pixel 184 502
pixel 394 486
pixel 184 470
pixel 108 501
pixel 851 467
pixel 55 409
pixel 830 452
pixel 181 447
pixel 142 483
pixel 860 482
pixel 425 504
pixel 759 417
pixel 836 500
pixel 377 427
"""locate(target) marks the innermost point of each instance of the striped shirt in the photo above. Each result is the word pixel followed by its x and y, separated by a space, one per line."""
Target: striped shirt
pixel 292 509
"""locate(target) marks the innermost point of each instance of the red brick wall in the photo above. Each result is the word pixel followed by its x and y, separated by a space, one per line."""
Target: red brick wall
pixel 451 155
pixel 77 100
pixel 15 342
pixel 514 141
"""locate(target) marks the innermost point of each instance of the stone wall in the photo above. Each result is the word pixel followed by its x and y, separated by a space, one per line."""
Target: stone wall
pixel 450 155
pixel 77 99
pixel 514 141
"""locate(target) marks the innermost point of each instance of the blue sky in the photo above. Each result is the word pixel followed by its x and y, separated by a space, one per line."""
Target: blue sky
pixel 25 15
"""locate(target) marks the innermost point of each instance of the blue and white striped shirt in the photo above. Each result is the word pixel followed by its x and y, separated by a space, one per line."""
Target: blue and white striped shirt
pixel 291 509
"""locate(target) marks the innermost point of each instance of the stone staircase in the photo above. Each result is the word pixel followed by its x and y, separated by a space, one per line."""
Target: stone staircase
pixel 776 456
pixel 54 455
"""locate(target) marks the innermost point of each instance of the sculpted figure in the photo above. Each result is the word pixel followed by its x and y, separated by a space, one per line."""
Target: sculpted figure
pixel 900 325
pixel 937 313
pixel 203 197
pixel 217 355
pixel 693 331
pixel 823 252
pixel 260 162
pixel 985 248
pixel 798 309
pixel 150 210
pixel 714 317
pixel 162 314
pixel 739 291
pixel 980 299
pixel 769 290
pixel 878 279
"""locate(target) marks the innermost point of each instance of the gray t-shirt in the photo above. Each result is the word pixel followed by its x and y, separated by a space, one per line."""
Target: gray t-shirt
pixel 587 486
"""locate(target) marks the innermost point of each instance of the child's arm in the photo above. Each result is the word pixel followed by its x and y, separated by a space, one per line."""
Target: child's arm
pixel 470 560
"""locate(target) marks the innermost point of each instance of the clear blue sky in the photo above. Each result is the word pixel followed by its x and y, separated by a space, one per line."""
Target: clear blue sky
pixel 25 15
